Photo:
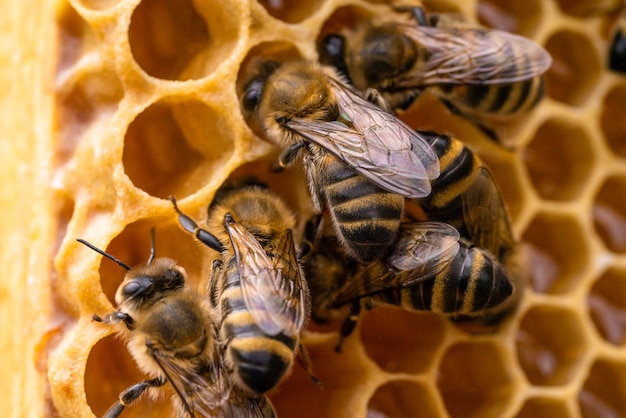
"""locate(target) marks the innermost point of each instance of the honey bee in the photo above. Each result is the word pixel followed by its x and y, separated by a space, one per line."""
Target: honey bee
pixel 617 51
pixel 170 333
pixel 257 288
pixel 430 268
pixel 466 196
pixel 480 74
pixel 359 159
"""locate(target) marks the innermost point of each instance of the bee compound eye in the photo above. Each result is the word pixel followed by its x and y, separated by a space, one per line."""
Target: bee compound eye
pixel 252 95
pixel 131 288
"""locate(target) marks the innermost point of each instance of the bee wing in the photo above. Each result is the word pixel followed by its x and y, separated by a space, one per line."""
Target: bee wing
pixel 374 143
pixel 424 249
pixel 485 216
pixel 275 300
pixel 473 56
pixel 198 396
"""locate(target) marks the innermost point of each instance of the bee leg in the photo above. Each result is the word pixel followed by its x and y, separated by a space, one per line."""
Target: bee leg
pixel 305 361
pixel 287 157
pixel 191 226
pixel 130 395
pixel 348 325
pixel 114 318
pixel 374 96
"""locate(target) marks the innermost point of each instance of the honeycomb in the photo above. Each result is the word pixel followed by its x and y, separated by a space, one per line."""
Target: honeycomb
pixel 145 105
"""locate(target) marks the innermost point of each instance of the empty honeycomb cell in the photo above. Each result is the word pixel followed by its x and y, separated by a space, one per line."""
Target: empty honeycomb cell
pixel 559 159
pixel 550 345
pixel 609 214
pixel 88 105
pixel 174 147
pixel 603 392
pixel 607 306
pixel 586 8
pixel 105 380
pixel 575 68
pixel 291 12
pixel 402 398
pixel 612 120
pixel 474 381
pixel 75 37
pixel 415 336
pixel 166 37
pixel 543 408
pixel 558 253
pixel 132 246
pixel 512 16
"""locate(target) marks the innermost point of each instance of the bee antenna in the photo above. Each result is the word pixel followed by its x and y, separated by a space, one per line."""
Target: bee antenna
pixel 107 255
pixel 152 246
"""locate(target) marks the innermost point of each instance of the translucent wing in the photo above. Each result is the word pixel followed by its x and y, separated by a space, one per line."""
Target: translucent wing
pixel 473 56
pixel 485 216
pixel 423 250
pixel 273 288
pixel 201 393
pixel 374 143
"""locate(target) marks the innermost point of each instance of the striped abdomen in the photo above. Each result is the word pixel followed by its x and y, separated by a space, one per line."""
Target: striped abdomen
pixel 366 218
pixel 458 168
pixel 259 361
pixel 473 282
pixel 483 100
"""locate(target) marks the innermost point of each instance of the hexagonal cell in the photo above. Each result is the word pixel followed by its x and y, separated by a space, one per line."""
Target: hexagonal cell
pixel 474 381
pixel 291 12
pixel 603 392
pixel 575 69
pixel 415 336
pixel 76 37
pixel 166 38
pixel 607 306
pixel 558 253
pixel 559 159
pixel 132 246
pixel 550 344
pixel 520 17
pixel 585 8
pixel 403 398
pixel 252 67
pixel 64 209
pixel 609 214
pixel 613 124
pixel 111 369
pixel 543 408
pixel 88 104
pixel 174 147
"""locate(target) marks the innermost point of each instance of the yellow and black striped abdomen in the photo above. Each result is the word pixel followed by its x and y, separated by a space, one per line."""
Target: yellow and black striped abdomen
pixel 258 361
pixel 473 282
pixel 366 218
pixel 458 167
pixel 482 100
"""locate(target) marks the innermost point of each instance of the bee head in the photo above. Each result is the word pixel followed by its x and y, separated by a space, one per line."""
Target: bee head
pixel 384 53
pixel 253 91
pixel 144 285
